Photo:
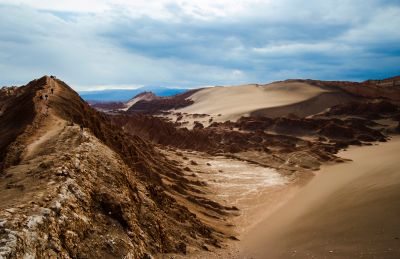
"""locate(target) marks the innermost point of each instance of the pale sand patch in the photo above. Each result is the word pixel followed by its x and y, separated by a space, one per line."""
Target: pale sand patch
pixel 348 210
pixel 237 101
pixel 133 101
pixel 50 130
pixel 243 185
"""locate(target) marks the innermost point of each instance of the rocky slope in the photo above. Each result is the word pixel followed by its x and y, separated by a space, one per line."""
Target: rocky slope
pixel 386 88
pixel 99 192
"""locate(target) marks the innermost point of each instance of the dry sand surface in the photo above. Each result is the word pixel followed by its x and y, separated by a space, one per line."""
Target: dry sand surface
pixel 348 210
pixel 246 186
pixel 237 101
pixel 254 189
pixel 144 97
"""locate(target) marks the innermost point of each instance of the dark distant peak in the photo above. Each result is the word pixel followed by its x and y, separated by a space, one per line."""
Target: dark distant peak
pixel 145 93
pixel 295 80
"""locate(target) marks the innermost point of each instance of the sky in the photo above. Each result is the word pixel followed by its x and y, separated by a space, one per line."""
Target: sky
pixel 97 44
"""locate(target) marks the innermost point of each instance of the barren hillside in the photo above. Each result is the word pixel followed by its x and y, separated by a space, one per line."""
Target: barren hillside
pixel 88 193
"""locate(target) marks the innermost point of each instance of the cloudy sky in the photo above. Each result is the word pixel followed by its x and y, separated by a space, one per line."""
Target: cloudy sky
pixel 191 43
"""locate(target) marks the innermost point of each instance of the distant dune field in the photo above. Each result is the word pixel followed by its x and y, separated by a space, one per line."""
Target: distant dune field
pixel 237 101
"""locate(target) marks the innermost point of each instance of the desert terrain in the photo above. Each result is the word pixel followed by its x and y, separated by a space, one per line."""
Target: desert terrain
pixel 347 210
pixel 299 168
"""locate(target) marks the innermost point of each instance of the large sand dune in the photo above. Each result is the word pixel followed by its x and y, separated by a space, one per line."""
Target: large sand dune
pixel 237 101
pixel 348 210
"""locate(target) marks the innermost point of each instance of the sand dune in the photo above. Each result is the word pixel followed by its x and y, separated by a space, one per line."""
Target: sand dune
pixel 145 96
pixel 234 102
pixel 348 210
pixel 311 106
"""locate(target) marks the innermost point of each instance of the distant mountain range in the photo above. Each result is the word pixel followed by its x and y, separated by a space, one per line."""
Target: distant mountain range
pixel 123 95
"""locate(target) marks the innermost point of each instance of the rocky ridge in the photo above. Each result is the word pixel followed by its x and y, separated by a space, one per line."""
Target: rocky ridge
pixel 93 193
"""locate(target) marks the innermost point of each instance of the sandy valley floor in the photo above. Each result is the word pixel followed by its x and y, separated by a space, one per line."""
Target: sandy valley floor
pixel 348 210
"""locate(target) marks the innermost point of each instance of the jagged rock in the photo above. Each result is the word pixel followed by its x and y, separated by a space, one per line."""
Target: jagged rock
pixel 198 125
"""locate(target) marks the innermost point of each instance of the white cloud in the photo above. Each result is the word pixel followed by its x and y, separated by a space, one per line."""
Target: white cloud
pixel 106 87
pixel 196 42
pixel 153 8
pixel 83 6
pixel 383 26
pixel 284 49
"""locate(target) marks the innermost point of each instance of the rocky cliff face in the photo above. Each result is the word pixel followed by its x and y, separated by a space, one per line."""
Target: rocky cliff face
pixel 75 186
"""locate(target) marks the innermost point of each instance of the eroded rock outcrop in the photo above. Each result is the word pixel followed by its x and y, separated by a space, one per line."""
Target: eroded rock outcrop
pixel 319 137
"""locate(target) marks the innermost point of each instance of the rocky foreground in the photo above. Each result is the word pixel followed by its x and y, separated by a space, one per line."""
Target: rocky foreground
pixel 68 192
